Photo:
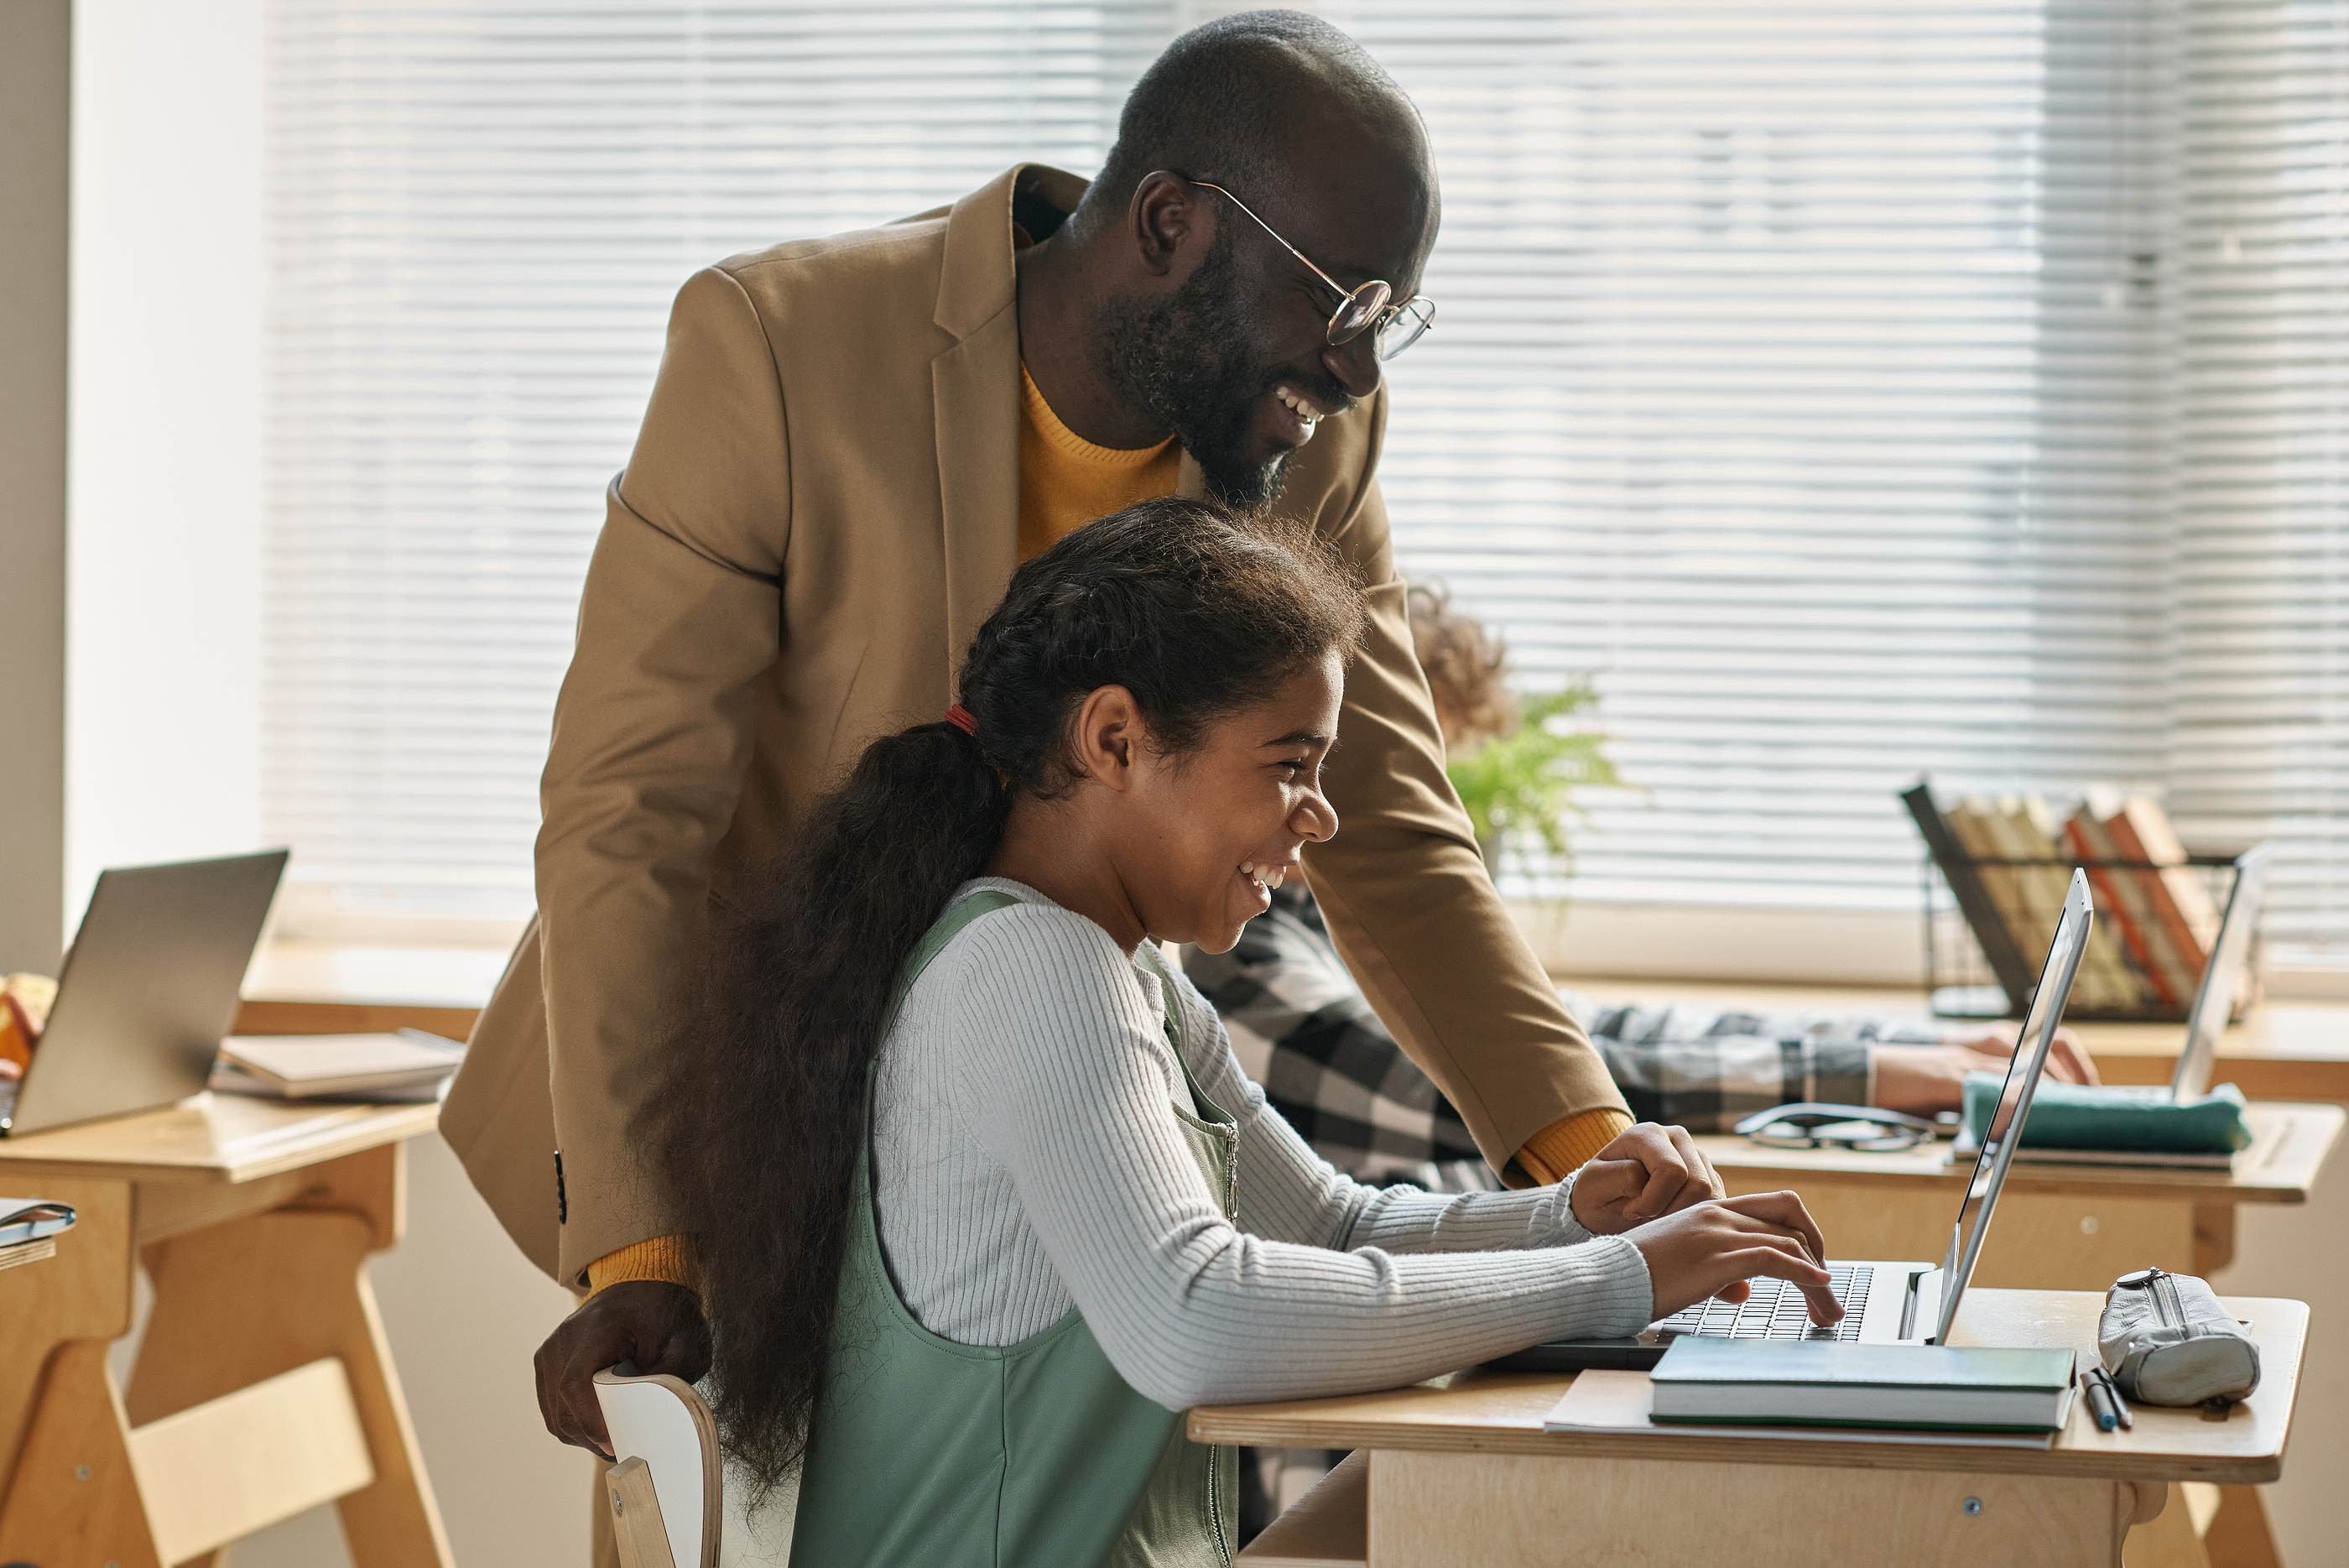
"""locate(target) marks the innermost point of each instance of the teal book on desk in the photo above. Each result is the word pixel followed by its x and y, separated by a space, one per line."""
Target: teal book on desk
pixel 2128 1118
pixel 1737 1382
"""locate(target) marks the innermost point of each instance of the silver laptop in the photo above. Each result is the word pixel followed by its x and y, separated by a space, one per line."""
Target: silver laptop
pixel 2223 978
pixel 1883 1302
pixel 147 991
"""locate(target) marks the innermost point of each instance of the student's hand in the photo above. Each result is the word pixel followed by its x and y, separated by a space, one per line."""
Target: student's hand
pixel 1647 1171
pixel 1923 1079
pixel 652 1323
pixel 1708 1250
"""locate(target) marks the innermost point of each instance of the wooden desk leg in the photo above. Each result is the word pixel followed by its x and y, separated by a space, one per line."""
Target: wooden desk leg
pixel 2206 1526
pixel 243 1300
pixel 83 1293
pixel 2170 1540
pixel 60 1316
pixel 2214 1237
pixel 1518 1510
pixel 76 1495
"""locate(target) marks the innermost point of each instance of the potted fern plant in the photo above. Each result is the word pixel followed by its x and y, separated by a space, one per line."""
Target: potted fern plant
pixel 1515 762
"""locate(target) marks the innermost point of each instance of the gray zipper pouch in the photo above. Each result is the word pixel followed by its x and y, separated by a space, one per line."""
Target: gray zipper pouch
pixel 2167 1341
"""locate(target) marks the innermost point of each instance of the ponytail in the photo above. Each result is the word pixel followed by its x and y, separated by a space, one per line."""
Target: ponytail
pixel 1198 613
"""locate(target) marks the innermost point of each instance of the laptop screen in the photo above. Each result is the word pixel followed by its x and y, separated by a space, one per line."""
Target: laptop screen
pixel 1997 1151
pixel 2222 977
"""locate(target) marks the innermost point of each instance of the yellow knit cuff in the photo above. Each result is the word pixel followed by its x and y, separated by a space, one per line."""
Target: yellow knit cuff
pixel 1569 1143
pixel 668 1257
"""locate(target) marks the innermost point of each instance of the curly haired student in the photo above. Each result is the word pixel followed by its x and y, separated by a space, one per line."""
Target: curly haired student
pixel 981 1196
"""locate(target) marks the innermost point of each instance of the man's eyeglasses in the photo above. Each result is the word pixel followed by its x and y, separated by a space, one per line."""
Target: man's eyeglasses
pixel 1813 1126
pixel 1368 308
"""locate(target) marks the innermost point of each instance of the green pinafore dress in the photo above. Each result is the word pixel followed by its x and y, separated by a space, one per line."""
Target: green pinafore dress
pixel 930 1454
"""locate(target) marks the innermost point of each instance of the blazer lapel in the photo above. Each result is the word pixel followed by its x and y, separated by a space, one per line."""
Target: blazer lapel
pixel 975 386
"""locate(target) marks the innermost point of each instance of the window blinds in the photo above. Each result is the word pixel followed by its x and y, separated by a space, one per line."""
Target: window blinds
pixel 477 216
pixel 1856 388
pixel 1775 388
pixel 2261 746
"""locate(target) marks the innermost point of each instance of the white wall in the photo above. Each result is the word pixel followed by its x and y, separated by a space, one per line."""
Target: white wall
pixel 163 700
pixel 1772 946
pixel 2296 1253
pixel 34 122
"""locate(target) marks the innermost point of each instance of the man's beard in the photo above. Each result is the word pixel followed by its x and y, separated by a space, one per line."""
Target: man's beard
pixel 1188 359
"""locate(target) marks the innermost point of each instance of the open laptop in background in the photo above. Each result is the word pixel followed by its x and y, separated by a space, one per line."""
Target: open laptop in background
pixel 147 991
pixel 2223 977
pixel 1883 1302
pixel 2223 980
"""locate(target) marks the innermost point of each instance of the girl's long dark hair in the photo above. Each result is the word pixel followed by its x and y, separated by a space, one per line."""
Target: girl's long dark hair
pixel 1199 613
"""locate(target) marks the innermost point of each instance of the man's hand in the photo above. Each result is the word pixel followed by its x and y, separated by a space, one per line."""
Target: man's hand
pixel 1714 1248
pixel 655 1325
pixel 1923 1079
pixel 1647 1172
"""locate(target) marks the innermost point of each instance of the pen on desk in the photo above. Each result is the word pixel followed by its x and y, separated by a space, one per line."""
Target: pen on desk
pixel 2120 1402
pixel 2100 1402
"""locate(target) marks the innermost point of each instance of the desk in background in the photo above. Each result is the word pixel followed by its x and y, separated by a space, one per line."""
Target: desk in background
pixel 1460 1471
pixel 264 1385
pixel 2059 1227
pixel 2285 1050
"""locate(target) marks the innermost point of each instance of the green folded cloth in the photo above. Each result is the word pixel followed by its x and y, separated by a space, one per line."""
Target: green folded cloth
pixel 2083 1116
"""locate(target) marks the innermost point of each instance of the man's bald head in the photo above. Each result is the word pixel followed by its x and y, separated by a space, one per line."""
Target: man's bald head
pixel 1190 317
pixel 1244 99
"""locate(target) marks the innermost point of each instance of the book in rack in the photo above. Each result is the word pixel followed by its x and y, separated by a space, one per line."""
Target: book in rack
pixel 2005 862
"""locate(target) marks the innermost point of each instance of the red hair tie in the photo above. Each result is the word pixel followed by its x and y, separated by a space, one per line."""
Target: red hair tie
pixel 960 717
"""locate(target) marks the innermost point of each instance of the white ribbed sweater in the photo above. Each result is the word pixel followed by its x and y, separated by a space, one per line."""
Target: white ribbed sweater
pixel 1026 1159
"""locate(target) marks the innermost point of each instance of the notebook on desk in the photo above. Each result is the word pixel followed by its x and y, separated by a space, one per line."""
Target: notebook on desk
pixel 1884 1303
pixel 407 1067
pixel 1622 1403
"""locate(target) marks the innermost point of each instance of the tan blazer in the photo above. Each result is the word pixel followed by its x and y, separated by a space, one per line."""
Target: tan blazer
pixel 822 507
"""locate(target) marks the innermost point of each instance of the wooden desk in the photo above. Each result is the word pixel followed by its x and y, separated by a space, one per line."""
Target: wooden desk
pixel 264 1385
pixel 1461 1472
pixel 2058 1226
pixel 2283 1050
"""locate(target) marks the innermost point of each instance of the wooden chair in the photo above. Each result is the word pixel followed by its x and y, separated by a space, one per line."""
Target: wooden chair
pixel 664 1490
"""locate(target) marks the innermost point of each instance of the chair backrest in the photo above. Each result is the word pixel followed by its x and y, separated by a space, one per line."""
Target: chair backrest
pixel 666 1490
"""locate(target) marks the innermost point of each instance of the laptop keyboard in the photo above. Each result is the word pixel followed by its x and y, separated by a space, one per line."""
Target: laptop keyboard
pixel 1775 1310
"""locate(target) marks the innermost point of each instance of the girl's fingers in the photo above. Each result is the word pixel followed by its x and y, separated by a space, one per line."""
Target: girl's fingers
pixel 1783 1212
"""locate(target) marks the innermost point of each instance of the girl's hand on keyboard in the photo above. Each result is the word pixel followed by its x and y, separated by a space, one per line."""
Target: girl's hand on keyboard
pixel 1703 1251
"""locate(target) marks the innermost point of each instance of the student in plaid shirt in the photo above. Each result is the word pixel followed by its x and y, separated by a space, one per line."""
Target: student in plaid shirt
pixel 1302 1028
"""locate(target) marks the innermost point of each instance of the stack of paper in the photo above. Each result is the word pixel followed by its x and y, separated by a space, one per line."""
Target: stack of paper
pixel 410 1066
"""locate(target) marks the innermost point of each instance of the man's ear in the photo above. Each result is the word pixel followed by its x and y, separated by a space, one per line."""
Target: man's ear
pixel 1163 217
pixel 1108 731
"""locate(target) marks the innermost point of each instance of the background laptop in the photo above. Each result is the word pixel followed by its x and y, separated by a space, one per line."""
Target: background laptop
pixel 1883 1302
pixel 2223 979
pixel 147 991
